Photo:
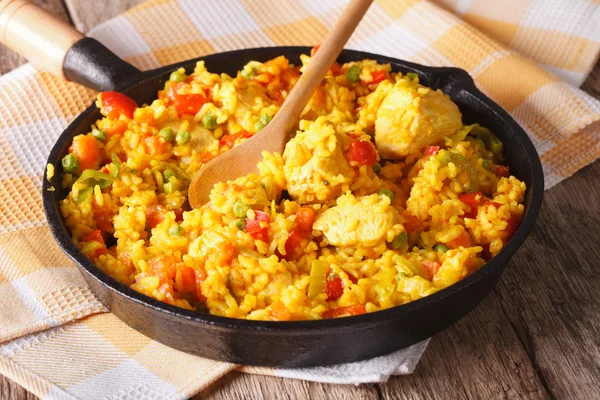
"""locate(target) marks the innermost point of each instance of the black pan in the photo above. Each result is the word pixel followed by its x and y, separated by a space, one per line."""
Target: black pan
pixel 297 343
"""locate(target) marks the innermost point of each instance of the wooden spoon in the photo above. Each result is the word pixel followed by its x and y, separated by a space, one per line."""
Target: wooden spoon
pixel 241 160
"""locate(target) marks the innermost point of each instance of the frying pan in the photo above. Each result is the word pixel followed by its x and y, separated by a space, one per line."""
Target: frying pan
pixel 294 343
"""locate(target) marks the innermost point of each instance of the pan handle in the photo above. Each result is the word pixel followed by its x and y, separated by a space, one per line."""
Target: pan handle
pixel 60 49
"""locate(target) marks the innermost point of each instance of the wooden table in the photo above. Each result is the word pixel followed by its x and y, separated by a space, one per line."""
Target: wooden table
pixel 536 336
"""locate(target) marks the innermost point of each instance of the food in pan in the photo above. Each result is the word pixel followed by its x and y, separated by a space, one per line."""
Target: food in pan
pixel 381 197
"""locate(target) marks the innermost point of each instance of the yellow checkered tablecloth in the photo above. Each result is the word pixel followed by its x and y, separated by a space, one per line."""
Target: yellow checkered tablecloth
pixel 527 55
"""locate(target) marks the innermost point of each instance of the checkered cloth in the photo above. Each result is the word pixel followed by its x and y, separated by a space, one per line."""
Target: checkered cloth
pixel 58 341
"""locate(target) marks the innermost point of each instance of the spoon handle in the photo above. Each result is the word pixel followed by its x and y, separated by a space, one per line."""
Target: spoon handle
pixel 328 52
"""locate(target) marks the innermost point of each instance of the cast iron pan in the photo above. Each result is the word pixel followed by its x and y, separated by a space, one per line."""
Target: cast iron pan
pixel 296 343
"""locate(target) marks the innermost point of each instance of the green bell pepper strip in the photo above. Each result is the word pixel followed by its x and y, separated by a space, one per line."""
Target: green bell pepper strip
pixel 318 271
pixel 445 156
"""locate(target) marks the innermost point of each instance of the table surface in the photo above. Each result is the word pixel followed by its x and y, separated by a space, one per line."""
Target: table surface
pixel 537 335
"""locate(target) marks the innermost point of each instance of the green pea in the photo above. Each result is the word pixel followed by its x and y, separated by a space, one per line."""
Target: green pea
pixel 177 77
pixel 487 164
pixel 377 168
pixel 387 193
pixel 167 174
pixel 353 73
pixel 209 121
pixel 441 248
pixel 399 241
pixel 240 209
pixel 248 73
pixel 240 223
pixel 176 230
pixel 99 134
pixel 70 164
pixel 183 137
pixel 412 76
pixel 167 134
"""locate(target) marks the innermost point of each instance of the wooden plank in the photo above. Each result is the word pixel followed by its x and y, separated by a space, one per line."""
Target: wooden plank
pixel 239 386
pixel 550 293
pixel 480 357
pixel 10 60
pixel 10 390
pixel 86 14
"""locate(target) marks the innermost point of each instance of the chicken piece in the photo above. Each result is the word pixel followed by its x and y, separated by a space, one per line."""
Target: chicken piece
pixel 315 167
pixel 364 221
pixel 412 117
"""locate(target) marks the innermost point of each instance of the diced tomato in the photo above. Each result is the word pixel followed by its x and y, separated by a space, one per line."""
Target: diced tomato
pixel 189 103
pixel 290 76
pixel 185 279
pixel 279 311
pixel 155 145
pixel 336 69
pixel 253 227
pixel 206 157
pixel 163 266
pixel 226 253
pixel 473 200
pixel 103 219
pixel 412 223
pixel 275 94
pixel 229 140
pixel 431 150
pixel 338 312
pixel 363 152
pixel 463 240
pixel 432 268
pixel 116 128
pixel 87 152
pixel 378 76
pixel 502 171
pixel 155 214
pixel 512 224
pixel 179 214
pixel 305 217
pixel 334 288
pixel 493 204
pixel 125 259
pixel 96 236
pixel 293 245
pixel 200 277
pixel 314 50
pixel 116 104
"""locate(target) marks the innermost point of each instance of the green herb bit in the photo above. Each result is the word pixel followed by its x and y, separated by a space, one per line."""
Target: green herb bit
pixel 248 73
pixel 240 209
pixel 70 164
pixel 400 240
pixel 100 134
pixel 413 76
pixel 176 230
pixel 91 178
pixel 353 73
pixel 377 168
pixel 177 76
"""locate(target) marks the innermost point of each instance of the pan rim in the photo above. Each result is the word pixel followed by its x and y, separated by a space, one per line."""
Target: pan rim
pixel 63 239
